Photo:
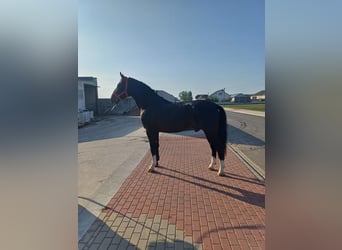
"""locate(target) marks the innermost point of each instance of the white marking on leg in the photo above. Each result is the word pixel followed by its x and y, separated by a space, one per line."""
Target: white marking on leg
pixel 221 169
pixel 212 162
pixel 154 163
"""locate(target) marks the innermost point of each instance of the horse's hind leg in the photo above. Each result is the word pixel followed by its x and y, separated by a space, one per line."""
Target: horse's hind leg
pixel 213 156
pixel 154 143
pixel 221 150
pixel 216 148
pixel 212 142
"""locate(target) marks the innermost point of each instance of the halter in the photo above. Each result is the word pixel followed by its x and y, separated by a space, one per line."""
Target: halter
pixel 123 92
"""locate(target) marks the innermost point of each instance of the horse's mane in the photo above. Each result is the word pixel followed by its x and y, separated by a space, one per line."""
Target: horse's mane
pixel 144 86
pixel 149 95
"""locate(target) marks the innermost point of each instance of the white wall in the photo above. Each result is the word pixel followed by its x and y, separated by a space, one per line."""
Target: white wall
pixel 81 95
pixel 221 95
pixel 81 99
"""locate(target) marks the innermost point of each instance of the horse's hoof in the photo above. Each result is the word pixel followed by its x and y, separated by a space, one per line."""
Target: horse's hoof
pixel 211 168
pixel 150 170
pixel 220 174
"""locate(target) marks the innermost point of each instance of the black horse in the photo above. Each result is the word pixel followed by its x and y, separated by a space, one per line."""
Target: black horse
pixel 161 115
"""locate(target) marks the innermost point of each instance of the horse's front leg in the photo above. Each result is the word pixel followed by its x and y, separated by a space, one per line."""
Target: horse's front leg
pixel 153 138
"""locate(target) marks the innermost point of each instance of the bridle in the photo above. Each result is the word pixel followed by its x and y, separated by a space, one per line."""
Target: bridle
pixel 124 92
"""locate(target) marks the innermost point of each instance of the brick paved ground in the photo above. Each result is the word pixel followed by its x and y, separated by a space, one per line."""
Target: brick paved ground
pixel 184 205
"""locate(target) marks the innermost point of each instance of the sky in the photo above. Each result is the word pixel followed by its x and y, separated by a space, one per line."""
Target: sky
pixel 194 45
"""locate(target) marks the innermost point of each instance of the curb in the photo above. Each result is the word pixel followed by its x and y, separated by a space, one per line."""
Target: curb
pixel 246 112
pixel 254 168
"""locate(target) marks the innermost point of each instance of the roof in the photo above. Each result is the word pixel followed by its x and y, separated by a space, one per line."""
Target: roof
pixel 239 95
pixel 261 92
pixel 87 78
pixel 220 90
pixel 166 95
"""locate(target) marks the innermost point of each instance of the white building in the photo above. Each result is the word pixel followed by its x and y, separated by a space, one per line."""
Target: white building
pixel 87 99
pixel 221 95
pixel 259 96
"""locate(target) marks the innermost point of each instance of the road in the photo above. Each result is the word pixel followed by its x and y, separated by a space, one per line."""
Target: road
pixel 246 135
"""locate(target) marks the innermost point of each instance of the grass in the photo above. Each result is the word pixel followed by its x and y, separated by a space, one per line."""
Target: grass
pixel 256 107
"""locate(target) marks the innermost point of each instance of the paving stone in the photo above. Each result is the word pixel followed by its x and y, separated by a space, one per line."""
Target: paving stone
pixel 131 248
pixel 138 228
pixel 117 239
pixel 179 235
pixel 123 226
pixel 94 247
pixel 142 244
pixel 155 227
pixel 113 247
pixel 153 237
pixel 128 233
pixel 123 245
pixel 171 230
pixel 105 244
pixel 145 234
pixel 99 238
pixel 117 221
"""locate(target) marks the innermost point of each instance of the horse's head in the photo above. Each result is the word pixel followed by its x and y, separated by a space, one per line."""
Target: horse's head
pixel 120 92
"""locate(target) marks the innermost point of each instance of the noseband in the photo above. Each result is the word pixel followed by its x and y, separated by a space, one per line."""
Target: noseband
pixel 123 92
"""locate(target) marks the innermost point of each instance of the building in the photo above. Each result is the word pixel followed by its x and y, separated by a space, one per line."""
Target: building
pixel 201 97
pixel 240 98
pixel 87 99
pixel 220 95
pixel 126 106
pixel 87 94
pixel 259 96
pixel 167 96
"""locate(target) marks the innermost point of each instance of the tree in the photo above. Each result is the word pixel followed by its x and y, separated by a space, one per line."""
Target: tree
pixel 185 96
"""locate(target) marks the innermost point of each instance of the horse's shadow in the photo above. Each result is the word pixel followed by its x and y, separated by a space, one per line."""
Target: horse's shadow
pixel 246 196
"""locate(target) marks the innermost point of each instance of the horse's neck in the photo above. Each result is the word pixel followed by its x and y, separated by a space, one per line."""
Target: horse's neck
pixel 145 97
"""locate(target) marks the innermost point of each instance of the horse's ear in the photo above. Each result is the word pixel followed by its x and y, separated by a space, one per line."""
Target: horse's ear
pixel 122 76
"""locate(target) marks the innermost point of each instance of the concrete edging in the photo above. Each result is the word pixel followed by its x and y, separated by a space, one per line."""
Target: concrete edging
pixel 246 111
pixel 254 168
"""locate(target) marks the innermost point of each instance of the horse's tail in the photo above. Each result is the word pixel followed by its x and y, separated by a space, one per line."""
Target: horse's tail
pixel 222 131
